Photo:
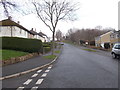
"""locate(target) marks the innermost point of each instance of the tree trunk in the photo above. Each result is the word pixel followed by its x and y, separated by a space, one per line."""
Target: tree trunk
pixel 53 42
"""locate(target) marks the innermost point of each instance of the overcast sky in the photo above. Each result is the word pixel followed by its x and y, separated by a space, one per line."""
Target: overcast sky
pixel 91 14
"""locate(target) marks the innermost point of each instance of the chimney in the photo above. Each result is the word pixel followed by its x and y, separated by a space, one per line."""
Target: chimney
pixel 32 29
pixel 18 22
pixel 9 17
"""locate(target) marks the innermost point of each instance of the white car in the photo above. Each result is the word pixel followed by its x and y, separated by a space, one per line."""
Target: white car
pixel 116 50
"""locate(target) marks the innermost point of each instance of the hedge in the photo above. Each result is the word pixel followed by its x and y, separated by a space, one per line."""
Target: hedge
pixel 22 44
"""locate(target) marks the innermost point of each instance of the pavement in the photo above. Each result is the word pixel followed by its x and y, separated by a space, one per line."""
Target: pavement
pixel 23 66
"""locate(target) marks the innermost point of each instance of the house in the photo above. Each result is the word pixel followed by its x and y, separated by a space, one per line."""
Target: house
pixel 115 37
pixel 37 35
pixel 45 38
pixel 10 28
pixel 98 41
pixel 110 38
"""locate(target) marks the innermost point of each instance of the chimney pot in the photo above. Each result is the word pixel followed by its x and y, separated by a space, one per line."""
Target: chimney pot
pixel 9 17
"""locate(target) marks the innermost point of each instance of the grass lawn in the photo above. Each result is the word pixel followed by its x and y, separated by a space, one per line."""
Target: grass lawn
pixel 7 54
pixel 90 50
pixel 50 57
pixel 57 51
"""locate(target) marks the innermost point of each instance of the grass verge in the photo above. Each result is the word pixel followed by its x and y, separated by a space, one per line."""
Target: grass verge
pixel 7 54
pixel 57 51
pixel 50 57
pixel 90 50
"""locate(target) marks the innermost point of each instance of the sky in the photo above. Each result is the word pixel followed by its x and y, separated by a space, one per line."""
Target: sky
pixel 91 14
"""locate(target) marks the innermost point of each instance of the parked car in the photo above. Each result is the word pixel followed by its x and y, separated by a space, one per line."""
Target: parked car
pixel 116 50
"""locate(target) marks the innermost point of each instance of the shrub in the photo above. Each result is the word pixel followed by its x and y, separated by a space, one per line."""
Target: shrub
pixel 22 44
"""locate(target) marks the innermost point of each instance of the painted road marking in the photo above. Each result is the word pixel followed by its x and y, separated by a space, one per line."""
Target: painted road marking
pixel 47 71
pixel 34 88
pixel 20 88
pixel 27 82
pixel 35 75
pixel 44 75
pixel 39 81
pixel 49 67
pixel 39 71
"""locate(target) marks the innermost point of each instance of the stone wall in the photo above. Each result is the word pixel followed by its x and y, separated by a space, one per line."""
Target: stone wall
pixel 19 59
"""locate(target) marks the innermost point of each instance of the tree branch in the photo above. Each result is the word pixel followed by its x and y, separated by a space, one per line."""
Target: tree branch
pixel 42 18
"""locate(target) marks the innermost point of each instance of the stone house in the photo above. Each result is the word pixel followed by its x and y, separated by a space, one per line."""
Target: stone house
pixel 110 37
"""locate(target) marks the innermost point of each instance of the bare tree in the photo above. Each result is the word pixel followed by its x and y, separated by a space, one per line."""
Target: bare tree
pixel 99 27
pixel 51 12
pixel 58 35
pixel 84 34
pixel 7 5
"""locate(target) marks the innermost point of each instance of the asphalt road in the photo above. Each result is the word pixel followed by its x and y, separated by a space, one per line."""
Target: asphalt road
pixel 75 68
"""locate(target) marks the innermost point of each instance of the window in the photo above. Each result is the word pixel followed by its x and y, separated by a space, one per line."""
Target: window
pixel 112 36
pixel 117 47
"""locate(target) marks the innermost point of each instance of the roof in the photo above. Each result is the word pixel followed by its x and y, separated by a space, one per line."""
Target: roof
pixel 9 22
pixel 42 34
pixel 33 32
pixel 110 32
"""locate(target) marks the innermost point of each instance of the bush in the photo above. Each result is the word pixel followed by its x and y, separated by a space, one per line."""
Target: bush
pixel 22 44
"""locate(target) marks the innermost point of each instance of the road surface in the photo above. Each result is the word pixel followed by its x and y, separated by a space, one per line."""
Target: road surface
pixel 75 68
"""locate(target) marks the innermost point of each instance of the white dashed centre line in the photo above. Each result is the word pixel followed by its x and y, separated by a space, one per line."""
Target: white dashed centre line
pixel 27 82
pixel 35 75
pixel 34 88
pixel 47 71
pixel 44 75
pixel 39 71
pixel 20 88
pixel 39 81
